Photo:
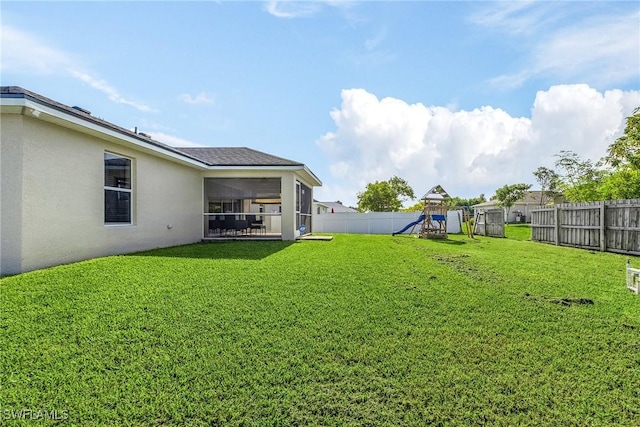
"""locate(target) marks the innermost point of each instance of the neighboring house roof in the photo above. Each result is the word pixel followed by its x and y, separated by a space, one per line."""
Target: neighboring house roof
pixel 202 156
pixel 337 207
pixel 530 198
pixel 485 204
pixel 236 156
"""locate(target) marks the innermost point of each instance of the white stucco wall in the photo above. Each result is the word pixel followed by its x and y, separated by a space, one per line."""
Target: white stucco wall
pixel 288 207
pixel 10 194
pixel 61 215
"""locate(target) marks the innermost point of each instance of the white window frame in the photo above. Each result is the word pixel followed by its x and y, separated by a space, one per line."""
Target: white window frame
pixel 121 190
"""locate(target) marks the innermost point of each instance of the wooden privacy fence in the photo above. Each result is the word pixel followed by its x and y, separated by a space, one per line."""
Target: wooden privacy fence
pixel 490 223
pixel 612 226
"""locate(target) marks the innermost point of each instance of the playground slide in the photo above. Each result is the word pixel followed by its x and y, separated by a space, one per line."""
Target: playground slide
pixel 412 224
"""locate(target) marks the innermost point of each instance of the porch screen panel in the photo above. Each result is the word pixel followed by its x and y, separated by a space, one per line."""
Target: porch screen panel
pixel 242 188
pixel 304 206
pixel 231 195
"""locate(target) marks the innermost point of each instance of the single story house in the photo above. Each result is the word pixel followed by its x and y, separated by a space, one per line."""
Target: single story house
pixel 331 207
pixel 75 187
pixel 521 210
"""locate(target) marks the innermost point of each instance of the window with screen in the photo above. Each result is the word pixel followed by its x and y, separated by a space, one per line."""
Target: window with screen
pixel 118 190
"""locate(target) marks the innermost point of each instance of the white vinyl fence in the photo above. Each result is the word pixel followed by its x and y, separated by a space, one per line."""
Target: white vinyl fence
pixel 376 222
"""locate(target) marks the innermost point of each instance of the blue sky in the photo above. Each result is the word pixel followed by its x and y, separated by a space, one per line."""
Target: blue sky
pixel 469 95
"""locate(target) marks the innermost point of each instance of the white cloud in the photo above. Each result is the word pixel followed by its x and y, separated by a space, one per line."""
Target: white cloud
pixel 601 50
pixel 581 119
pixel 199 99
pixel 467 152
pixel 374 42
pixel 299 9
pixel 23 52
pixel 172 140
pixel 291 9
pixel 372 55
pixel 517 17
pixel 104 87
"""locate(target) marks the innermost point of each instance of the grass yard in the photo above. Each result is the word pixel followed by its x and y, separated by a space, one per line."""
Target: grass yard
pixel 517 231
pixel 361 330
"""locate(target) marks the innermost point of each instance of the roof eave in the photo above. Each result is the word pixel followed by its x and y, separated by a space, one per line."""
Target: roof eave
pixel 312 178
pixel 27 106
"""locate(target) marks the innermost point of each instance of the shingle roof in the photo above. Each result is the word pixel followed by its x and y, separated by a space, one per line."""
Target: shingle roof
pixel 18 92
pixel 236 156
pixel 211 156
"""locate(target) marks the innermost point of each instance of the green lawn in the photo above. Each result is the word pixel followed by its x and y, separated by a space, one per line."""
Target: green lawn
pixel 517 231
pixel 361 330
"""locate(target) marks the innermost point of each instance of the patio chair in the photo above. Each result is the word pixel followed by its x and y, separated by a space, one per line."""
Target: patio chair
pixel 226 223
pixel 214 224
pixel 255 224
pixel 241 225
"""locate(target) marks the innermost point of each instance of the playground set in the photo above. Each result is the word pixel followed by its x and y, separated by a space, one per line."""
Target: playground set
pixel 433 219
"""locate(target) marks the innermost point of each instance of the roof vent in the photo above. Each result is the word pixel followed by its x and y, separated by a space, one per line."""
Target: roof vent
pixel 144 134
pixel 75 107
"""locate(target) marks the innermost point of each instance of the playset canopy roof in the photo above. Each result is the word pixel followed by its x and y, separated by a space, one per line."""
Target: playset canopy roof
pixel 436 193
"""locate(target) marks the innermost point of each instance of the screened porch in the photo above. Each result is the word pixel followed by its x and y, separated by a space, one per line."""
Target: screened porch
pixel 251 208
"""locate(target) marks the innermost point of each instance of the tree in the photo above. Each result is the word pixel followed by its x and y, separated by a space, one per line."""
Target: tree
pixel 385 196
pixel 548 180
pixel 508 195
pixel 623 183
pixel 416 207
pixel 615 176
pixel 580 180
pixel 457 201
pixel 476 200
pixel 453 202
pixel 626 149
